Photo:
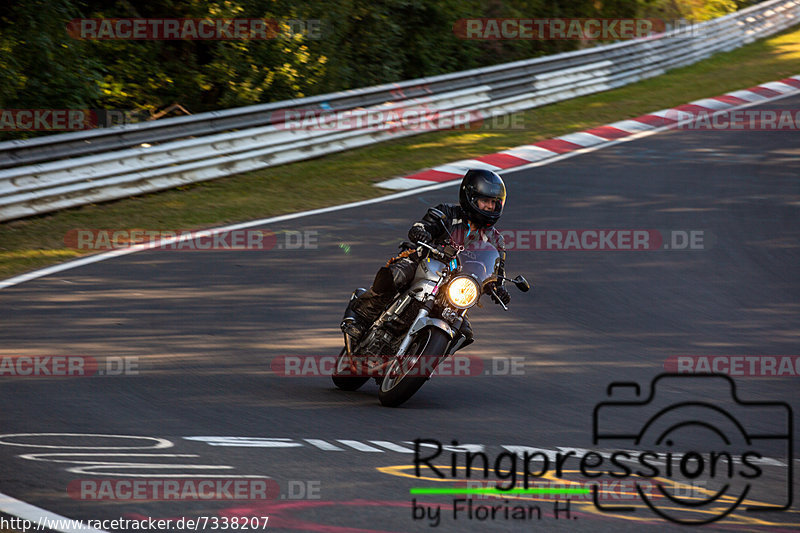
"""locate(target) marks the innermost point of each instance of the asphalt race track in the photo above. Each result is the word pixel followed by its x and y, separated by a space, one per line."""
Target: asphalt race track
pixel 200 332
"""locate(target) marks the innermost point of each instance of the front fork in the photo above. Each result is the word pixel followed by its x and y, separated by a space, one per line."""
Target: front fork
pixel 348 344
pixel 421 316
pixel 423 320
pixel 457 339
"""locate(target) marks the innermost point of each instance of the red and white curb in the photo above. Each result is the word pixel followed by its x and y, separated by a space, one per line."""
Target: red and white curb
pixel 549 148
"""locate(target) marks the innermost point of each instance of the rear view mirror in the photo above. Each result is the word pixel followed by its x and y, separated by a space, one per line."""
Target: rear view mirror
pixel 522 283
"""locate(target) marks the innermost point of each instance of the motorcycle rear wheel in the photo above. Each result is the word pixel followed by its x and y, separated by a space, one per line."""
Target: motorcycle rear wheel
pixel 401 382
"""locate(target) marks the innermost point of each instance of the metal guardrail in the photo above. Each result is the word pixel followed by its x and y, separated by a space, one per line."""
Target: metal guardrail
pixel 64 170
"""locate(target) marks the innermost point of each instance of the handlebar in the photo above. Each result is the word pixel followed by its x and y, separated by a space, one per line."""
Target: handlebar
pixel 428 246
pixel 435 251
pixel 443 254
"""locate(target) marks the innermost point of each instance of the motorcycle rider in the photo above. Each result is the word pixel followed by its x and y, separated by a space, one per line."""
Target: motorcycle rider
pixel 482 196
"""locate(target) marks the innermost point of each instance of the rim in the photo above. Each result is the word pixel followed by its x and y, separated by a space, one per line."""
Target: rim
pixel 395 375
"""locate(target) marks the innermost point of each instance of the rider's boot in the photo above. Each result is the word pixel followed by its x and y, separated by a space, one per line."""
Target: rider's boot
pixel 364 308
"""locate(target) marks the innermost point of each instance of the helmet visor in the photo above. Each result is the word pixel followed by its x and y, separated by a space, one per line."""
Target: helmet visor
pixel 489 204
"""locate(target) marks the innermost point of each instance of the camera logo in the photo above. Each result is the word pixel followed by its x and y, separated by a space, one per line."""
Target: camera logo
pixel 676 437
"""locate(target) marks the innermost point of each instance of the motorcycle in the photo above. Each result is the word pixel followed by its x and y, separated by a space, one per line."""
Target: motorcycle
pixel 422 326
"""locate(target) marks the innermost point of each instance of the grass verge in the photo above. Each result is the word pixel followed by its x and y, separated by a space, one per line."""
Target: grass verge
pixel 35 242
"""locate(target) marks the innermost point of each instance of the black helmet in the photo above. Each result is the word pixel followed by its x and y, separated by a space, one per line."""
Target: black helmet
pixel 482 184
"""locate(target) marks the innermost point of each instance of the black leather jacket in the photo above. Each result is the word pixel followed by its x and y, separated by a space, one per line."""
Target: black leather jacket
pixel 457 224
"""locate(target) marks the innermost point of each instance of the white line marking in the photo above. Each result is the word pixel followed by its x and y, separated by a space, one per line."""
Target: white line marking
pixel 16 280
pixel 324 445
pixel 248 442
pixel 41 457
pixel 752 98
pixel 391 446
pixel 159 443
pixel 30 512
pixel 360 446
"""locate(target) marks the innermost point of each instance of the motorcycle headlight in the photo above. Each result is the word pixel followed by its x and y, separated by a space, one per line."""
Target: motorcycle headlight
pixel 463 292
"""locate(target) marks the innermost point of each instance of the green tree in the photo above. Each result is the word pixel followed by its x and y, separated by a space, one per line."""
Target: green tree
pixel 40 65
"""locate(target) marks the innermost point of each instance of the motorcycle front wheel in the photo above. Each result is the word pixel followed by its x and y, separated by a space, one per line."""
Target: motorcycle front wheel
pixel 343 374
pixel 406 375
